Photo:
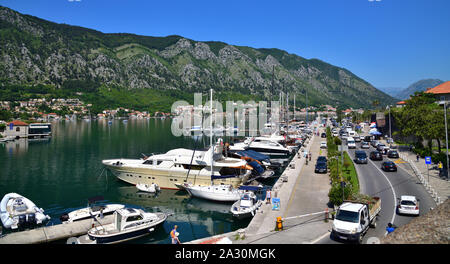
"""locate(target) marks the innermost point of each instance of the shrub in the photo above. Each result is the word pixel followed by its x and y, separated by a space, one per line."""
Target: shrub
pixel 335 193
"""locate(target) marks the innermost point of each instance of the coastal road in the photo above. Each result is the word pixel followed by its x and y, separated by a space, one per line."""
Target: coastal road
pixel 388 186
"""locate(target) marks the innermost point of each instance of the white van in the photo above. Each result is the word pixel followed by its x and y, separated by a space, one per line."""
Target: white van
pixel 351 133
pixel 351 143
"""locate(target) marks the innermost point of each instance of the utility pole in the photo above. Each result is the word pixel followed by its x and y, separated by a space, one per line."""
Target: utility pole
pixel 390 131
pixel 446 133
pixel 306 91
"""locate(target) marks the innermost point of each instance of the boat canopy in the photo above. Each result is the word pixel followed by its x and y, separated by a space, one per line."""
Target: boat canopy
pixel 253 154
pixel 256 166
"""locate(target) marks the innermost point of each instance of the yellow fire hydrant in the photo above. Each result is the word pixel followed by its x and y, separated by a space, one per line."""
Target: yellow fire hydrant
pixel 279 223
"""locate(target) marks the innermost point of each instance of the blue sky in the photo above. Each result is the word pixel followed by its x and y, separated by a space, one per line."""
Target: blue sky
pixel 390 43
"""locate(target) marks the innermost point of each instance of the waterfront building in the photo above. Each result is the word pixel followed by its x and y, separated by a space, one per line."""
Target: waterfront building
pixel 17 129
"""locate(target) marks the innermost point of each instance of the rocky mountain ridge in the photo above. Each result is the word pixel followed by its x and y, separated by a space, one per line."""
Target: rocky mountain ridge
pixel 38 51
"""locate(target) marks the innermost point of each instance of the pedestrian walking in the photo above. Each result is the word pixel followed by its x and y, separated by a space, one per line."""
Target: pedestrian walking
pixel 417 157
pixel 440 167
pixel 310 156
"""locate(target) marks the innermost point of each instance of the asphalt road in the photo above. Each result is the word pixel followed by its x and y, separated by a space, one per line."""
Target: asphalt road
pixel 388 186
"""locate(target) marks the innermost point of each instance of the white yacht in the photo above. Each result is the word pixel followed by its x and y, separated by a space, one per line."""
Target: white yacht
pixel 178 166
pixel 262 145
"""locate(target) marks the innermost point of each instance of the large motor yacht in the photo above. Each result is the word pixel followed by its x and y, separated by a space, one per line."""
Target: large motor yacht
pixel 179 166
pixel 264 145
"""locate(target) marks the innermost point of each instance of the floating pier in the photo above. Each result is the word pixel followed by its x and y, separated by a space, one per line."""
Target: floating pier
pixel 48 234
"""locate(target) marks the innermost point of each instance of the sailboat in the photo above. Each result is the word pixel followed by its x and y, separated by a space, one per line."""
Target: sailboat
pixel 218 192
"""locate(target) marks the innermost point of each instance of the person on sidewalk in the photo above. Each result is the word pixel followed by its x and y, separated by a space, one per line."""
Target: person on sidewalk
pixel 268 196
pixel 417 156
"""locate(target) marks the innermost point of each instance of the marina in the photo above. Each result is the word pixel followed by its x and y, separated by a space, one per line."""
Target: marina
pixel 85 172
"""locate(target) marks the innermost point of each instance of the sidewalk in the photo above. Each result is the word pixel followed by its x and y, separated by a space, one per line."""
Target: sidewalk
pixel 431 176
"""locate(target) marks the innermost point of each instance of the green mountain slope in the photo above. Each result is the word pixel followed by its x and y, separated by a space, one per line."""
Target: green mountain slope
pixel 35 51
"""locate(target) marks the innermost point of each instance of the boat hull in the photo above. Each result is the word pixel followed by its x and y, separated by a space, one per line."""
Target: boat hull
pixel 211 195
pixel 126 236
pixel 168 179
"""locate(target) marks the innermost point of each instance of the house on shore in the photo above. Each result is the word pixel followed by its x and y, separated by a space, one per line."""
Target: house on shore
pixel 441 92
pixel 16 129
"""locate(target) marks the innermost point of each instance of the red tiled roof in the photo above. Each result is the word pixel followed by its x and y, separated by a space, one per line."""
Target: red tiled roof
pixel 18 123
pixel 440 89
pixel 401 103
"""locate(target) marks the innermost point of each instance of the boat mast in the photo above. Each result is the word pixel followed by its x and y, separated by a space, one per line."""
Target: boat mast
pixel 294 106
pixel 210 135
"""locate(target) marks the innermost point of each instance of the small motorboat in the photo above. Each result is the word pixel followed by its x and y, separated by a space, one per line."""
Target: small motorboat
pixel 219 192
pixel 151 188
pixel 129 223
pixel 92 210
pixel 246 206
pixel 18 211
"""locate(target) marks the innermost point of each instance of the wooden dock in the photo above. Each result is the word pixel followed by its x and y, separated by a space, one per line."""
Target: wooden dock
pixel 53 233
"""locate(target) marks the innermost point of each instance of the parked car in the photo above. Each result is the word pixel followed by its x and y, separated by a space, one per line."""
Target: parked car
pixel 321 167
pixel 323 135
pixel 365 145
pixel 392 154
pixel 408 204
pixel 323 144
pixel 376 155
pixel 360 157
pixel 389 166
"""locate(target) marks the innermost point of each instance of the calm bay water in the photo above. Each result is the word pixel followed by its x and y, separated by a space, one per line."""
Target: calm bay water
pixel 59 174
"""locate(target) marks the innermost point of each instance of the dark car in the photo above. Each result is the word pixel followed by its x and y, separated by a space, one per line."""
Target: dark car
pixel 321 159
pixel 321 167
pixel 389 166
pixel 323 135
pixel 392 154
pixel 376 155
pixel 360 157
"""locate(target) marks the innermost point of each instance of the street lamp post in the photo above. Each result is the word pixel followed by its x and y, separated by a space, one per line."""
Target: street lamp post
pixel 446 133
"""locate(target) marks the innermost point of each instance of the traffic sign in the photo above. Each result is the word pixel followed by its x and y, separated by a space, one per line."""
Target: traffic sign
pixel 427 160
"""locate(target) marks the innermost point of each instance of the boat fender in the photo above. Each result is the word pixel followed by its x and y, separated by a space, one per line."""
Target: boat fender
pixel 151 229
pixel 31 218
pixel 22 220
pixel 72 240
